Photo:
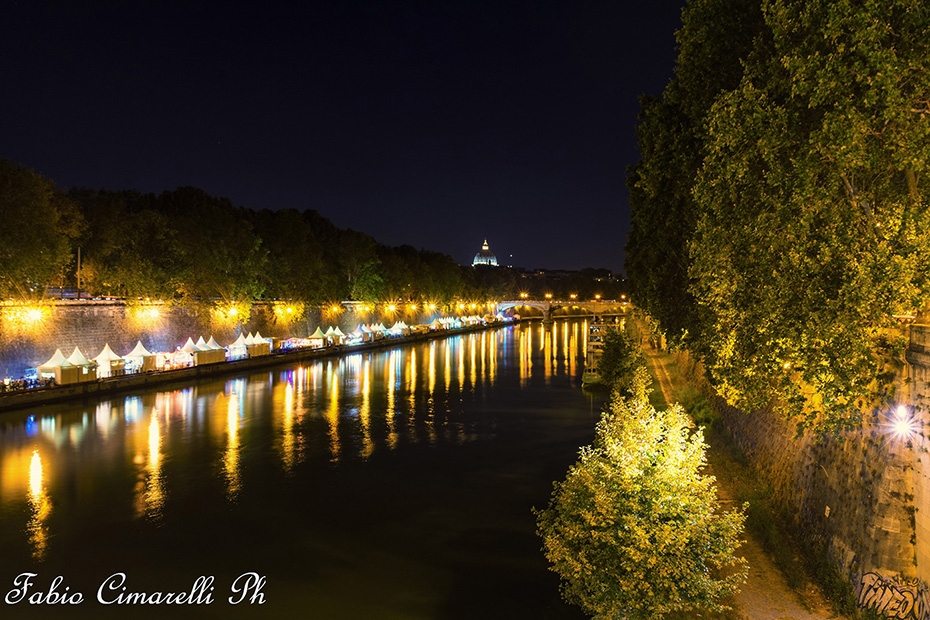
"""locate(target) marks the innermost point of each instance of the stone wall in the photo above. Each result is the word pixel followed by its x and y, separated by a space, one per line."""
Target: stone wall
pixel 864 497
pixel 90 325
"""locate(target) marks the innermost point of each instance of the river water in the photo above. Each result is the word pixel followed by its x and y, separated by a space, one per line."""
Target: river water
pixel 396 483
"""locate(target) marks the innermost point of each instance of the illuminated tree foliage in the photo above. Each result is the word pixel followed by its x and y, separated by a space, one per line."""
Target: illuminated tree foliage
pixel 812 231
pixel 635 529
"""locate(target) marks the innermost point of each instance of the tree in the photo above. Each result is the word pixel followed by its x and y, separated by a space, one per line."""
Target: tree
pixel 35 238
pixel 619 359
pixel 715 37
pixel 814 232
pixel 635 529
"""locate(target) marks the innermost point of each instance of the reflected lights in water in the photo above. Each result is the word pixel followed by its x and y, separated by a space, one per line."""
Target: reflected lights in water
pixel 364 412
pixel 154 487
pixel 307 410
pixel 41 507
pixel 231 456
pixel 332 414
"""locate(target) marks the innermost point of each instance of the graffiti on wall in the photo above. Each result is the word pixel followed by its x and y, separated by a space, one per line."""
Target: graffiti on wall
pixel 905 599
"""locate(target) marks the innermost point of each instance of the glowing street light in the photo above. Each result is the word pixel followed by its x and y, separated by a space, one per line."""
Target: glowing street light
pixel 548 295
pixel 903 426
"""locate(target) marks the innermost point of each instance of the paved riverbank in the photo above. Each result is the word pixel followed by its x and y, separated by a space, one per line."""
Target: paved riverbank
pixel 766 595
pixel 109 385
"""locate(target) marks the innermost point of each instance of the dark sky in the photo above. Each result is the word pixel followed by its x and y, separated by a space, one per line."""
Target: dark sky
pixel 435 124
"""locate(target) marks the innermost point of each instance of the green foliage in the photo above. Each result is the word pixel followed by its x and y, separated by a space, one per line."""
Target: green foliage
pixel 619 360
pixel 813 233
pixel 715 36
pixel 635 529
pixel 35 237
pixel 779 219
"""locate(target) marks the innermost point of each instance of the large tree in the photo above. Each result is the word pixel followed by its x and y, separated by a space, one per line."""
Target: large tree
pixel 715 37
pixel 814 232
pixel 38 224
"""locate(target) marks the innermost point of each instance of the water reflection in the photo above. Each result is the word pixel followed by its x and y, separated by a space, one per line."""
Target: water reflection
pixel 154 496
pixel 231 456
pixel 323 412
pixel 41 507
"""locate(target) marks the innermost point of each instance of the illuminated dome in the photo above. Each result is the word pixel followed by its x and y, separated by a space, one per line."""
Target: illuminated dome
pixel 485 256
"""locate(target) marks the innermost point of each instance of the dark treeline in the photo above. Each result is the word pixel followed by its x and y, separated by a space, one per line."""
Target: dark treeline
pixel 188 246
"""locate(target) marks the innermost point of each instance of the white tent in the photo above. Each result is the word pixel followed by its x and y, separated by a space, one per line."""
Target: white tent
pixel 59 368
pixel 86 368
pixel 257 345
pixel 213 344
pixel 317 338
pixel 107 362
pixel 139 359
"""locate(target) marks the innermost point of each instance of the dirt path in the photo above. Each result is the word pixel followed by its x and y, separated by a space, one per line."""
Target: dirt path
pixel 766 594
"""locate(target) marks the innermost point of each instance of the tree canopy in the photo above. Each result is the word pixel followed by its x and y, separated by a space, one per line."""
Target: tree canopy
pixel 39 224
pixel 810 229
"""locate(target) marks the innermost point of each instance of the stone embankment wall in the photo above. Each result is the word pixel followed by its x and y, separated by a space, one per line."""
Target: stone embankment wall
pixel 863 497
pixel 90 325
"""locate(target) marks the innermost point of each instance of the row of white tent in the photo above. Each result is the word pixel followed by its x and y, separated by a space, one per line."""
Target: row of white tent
pixel 77 367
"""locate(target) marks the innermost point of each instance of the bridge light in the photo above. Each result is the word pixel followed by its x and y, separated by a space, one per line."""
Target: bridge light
pixel 574 296
pixel 524 295
pixel 598 296
pixel 548 295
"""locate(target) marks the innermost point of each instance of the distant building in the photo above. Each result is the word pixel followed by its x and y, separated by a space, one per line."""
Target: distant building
pixel 485 256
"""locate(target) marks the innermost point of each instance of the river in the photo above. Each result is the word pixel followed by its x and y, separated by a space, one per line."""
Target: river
pixel 396 483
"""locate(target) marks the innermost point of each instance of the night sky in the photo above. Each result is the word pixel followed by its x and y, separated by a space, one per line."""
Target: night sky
pixel 434 124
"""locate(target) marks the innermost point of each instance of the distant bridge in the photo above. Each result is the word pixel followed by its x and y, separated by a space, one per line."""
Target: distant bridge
pixel 550 307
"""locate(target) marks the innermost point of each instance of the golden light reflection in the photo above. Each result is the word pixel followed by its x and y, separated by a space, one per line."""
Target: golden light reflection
pixel 431 373
pixel 460 348
pixel 231 457
pixel 332 415
pixel 484 341
pixel 390 411
pixel 447 365
pixel 41 507
pixel 365 413
pixel 154 487
pixel 548 357
pixel 412 382
pixel 492 359
pixel 288 436
pixel 474 367
pixel 526 355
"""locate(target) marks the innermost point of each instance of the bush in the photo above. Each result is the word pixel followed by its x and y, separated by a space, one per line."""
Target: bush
pixel 635 529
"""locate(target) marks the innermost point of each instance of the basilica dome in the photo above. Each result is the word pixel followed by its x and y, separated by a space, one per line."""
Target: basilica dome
pixel 485 256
